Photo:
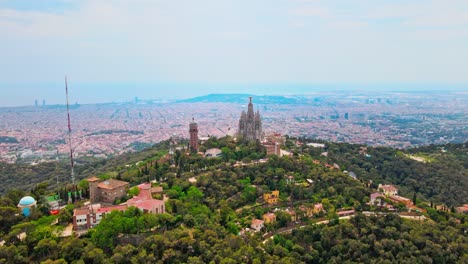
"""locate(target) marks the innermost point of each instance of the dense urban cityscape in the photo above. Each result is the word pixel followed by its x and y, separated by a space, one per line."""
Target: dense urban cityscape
pixel 37 133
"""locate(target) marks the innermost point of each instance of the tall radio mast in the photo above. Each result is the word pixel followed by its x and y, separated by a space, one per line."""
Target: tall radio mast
pixel 69 135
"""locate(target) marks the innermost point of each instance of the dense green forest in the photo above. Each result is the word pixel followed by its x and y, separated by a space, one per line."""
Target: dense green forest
pixel 385 239
pixel 205 217
pixel 438 173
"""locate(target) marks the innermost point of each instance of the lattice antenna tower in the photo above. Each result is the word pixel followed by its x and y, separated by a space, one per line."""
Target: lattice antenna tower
pixel 72 173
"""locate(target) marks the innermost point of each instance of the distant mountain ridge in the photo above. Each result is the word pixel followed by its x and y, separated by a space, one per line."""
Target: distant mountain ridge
pixel 244 98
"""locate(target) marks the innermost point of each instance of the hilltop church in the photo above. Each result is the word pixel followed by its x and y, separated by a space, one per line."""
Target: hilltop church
pixel 250 124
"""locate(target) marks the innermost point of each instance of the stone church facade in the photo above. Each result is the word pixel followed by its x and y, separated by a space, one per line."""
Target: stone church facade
pixel 250 124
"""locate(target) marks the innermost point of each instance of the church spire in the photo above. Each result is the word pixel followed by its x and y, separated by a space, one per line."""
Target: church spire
pixel 250 111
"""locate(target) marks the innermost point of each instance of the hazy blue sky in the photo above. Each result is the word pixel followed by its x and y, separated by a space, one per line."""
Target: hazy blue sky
pixel 115 50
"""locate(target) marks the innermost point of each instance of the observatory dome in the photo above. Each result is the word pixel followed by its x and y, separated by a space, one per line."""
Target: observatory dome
pixel 27 200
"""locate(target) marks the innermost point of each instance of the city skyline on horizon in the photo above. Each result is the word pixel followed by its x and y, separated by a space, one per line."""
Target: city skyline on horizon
pixel 88 94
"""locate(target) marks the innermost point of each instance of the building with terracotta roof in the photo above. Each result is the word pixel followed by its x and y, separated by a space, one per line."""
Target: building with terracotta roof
pixel 387 189
pixel 106 191
pixel 257 225
pixel 145 202
pixel 269 218
pixel 400 199
pixel 462 209
pixel 271 198
pixel 342 213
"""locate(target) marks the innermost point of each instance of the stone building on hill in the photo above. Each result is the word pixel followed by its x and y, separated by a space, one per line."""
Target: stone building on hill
pixel 106 191
pixel 250 124
pixel 273 143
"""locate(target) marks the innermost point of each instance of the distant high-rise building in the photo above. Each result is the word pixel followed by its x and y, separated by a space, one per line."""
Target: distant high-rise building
pixel 193 130
pixel 43 102
pixel 250 124
pixel 35 103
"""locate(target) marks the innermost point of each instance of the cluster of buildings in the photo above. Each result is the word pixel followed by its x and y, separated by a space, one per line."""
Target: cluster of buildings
pixel 103 193
pixel 386 191
pixel 304 211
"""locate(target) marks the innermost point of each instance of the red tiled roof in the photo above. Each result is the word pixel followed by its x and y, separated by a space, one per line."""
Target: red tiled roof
pixel 80 211
pixel 112 208
pixel 257 222
pixel 389 188
pixel 399 198
pixel 148 204
pixel 145 186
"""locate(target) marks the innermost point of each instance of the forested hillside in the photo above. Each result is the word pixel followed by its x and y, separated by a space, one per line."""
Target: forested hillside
pixel 439 173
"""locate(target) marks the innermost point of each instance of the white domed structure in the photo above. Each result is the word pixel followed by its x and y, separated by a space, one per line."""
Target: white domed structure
pixel 26 204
